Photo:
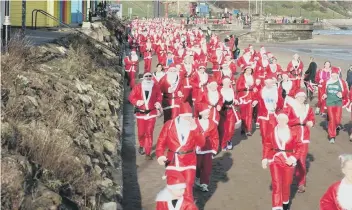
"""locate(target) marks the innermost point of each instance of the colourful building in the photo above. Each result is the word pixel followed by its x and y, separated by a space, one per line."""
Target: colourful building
pixel 67 11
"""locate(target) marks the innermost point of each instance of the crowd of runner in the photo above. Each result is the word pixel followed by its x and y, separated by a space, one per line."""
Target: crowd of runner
pixel 202 110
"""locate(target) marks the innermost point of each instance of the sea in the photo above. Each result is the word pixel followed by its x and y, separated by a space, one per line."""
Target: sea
pixel 332 32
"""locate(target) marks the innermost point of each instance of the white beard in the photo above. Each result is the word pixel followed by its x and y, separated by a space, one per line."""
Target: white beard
pixel 227 94
pixel 273 68
pixel 227 72
pixel 272 95
pixel 171 77
pixel 213 97
pixel 134 57
pixel 180 52
pixel 149 45
pixel 197 50
pixel 295 63
pixel 218 54
pixel 344 193
pixel 159 75
pixel 262 52
pixel 147 85
pixel 287 86
pixel 203 77
pixel 284 134
pixel 265 62
pixel 249 80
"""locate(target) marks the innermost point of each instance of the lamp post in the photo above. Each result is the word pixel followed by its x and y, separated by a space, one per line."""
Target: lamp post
pixel 7 24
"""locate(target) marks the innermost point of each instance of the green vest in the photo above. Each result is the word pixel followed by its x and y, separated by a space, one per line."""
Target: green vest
pixel 331 91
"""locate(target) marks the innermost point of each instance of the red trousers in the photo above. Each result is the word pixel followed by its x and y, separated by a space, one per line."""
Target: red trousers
pixel 301 168
pixel 321 103
pixel 170 114
pixel 227 126
pixel 131 78
pixel 246 116
pixel 267 125
pixel 217 75
pixel 204 167
pixel 334 114
pixel 187 95
pixel 145 134
pixel 281 180
pixel 147 65
pixel 190 176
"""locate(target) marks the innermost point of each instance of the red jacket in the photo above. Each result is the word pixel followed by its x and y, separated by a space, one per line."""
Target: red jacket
pixel 297 69
pixel 154 98
pixel 164 202
pixel 329 201
pixel 130 65
pixel 272 143
pixel 246 94
pixel 263 112
pixel 170 138
pixel 171 100
pixel 297 121
pixel 241 62
pixel 204 98
pixel 290 88
pixel 211 135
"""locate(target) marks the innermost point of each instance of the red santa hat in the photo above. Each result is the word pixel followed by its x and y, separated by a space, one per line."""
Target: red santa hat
pixel 202 65
pixel 203 108
pixel 301 92
pixel 250 45
pixel 246 50
pixel 212 80
pixel 147 73
pixel 247 67
pixel 175 180
pixel 335 70
pixel 185 110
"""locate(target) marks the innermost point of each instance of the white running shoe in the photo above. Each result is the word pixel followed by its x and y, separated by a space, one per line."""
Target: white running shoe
pixel 204 187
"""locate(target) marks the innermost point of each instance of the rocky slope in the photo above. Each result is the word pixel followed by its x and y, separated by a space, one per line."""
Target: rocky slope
pixel 60 129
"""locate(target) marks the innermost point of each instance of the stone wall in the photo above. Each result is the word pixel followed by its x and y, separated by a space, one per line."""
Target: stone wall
pixel 216 27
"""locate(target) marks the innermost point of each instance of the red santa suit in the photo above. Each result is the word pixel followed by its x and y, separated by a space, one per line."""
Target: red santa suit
pixel 181 138
pixel 229 117
pixel 165 199
pixel 261 69
pixel 298 122
pixel 320 78
pixel 287 88
pixel 171 87
pixel 280 145
pixel 131 67
pixel 247 90
pixel 335 112
pixel 199 81
pixel 150 94
pixel 187 72
pixel 204 154
pixel 226 72
pixel 337 197
pixel 214 101
pixel 180 54
pixel 269 102
pixel 147 59
pixel 296 69
pixel 217 59
pixel 198 55
pixel 245 60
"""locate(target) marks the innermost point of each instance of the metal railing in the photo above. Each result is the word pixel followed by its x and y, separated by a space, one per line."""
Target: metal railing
pixel 34 27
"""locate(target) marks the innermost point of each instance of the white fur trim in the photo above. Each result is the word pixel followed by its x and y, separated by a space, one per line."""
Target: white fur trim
pixel 286 202
pixel 177 186
pixel 301 94
pixel 159 158
pixel 206 152
pixel 186 115
pixel 277 208
pixel 180 168
pixel 294 159
pixel 164 195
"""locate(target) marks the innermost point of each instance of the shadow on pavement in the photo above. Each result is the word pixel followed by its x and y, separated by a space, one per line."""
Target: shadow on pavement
pixel 221 165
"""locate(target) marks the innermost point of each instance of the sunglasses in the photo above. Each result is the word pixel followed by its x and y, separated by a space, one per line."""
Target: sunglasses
pixel 147 76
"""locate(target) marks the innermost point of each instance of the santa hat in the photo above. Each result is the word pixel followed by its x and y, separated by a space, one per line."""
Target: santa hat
pixel 201 65
pixel 212 80
pixel 203 108
pixel 262 47
pixel 246 50
pixel 225 65
pixel 247 67
pixel 175 180
pixel 335 70
pixel 185 110
pixel 147 73
pixel 301 92
pixel 250 45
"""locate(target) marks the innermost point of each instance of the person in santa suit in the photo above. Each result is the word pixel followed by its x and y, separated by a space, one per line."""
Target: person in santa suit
pixel 199 55
pixel 229 116
pixel 187 72
pixel 226 72
pixel 259 55
pixel 274 67
pixel 301 119
pixel 338 195
pixel 172 196
pixel 335 94
pixel 159 73
pixel 147 56
pixel 269 102
pixel 281 150
pixel 171 87
pixel 217 59
pixel 321 77
pixel 247 89
pixel 199 81
pixel 295 66
pixel 180 137
pixel 142 40
pixel 261 69
pixel 246 59
pixel 180 54
pixel 253 52
pixel 231 63
pixel 206 153
pixel 287 87
pixel 131 67
pixel 146 98
pixel 162 57
pixel 213 98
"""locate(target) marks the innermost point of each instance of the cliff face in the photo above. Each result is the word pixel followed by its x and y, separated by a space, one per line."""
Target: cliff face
pixel 60 127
